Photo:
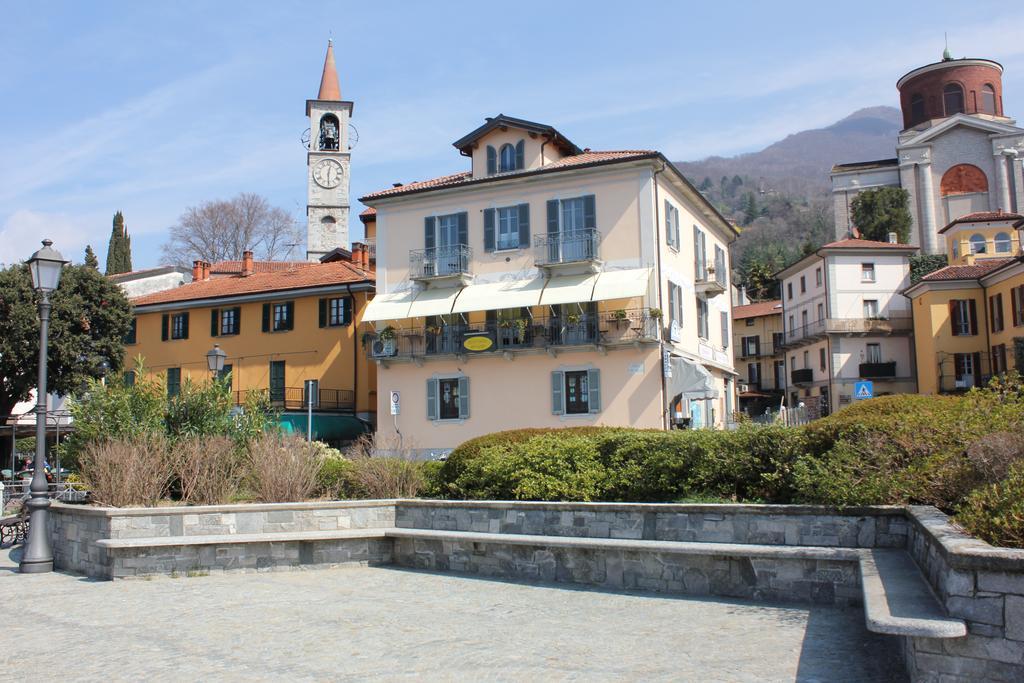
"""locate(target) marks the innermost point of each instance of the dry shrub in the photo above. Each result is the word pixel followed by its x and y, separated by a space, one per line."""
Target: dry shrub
pixel 992 455
pixel 384 467
pixel 207 470
pixel 282 469
pixel 128 472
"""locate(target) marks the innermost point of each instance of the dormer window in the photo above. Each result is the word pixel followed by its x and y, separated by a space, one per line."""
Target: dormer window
pixel 1003 243
pixel 977 243
pixel 508 158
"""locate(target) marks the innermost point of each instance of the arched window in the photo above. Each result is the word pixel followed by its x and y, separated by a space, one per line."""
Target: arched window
pixel 507 158
pixel 327 223
pixel 916 108
pixel 977 243
pixel 953 99
pixel 963 179
pixel 988 99
pixel 1003 244
pixel 330 135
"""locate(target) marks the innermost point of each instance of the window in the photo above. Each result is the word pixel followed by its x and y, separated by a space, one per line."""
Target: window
pixel 977 243
pixel 807 358
pixel 277 381
pixel 573 217
pixel 803 319
pixel 999 359
pixel 754 375
pixel 335 311
pixel 507 158
pixel 871 309
pixel 917 114
pixel 700 255
pixel 873 353
pixel 751 346
pixel 822 361
pixel 329 133
pixel 965 368
pixel 508 227
pixel 821 312
pixel 1017 305
pixel 988 99
pixel 792 325
pixel 675 306
pixel 964 317
pixel 724 318
pixel 225 321
pixel 671 225
pixel 995 308
pixel 1002 243
pixel 448 398
pixel 575 392
pixel 780 374
pixel 225 375
pixel 279 317
pixel 179 326
pixel 789 290
pixel 803 284
pixel 817 277
pixel 867 272
pixel 702 317
pixel 776 342
pixel 133 332
pixel 750 322
pixel 953 99
pixel 173 382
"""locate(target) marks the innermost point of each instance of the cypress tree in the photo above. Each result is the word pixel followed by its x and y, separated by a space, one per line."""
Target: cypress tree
pixel 119 249
pixel 90 258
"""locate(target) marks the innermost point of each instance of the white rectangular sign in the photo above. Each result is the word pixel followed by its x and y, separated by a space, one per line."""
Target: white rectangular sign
pixel 396 403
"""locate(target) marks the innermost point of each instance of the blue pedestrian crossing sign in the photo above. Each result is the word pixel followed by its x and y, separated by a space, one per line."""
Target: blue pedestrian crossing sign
pixel 863 389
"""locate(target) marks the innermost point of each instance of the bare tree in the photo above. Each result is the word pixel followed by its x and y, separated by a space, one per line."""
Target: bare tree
pixel 221 230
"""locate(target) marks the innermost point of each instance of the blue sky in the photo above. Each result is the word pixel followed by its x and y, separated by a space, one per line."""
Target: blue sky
pixel 154 107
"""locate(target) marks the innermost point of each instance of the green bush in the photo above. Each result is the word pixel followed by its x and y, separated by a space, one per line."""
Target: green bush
pixel 995 513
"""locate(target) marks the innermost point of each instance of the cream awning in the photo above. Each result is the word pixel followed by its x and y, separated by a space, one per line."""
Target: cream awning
pixel 690 380
pixel 622 284
pixel 497 295
pixel 568 289
pixel 392 306
pixel 433 302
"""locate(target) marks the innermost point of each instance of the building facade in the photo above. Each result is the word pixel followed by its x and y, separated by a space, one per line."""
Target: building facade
pixel 847 320
pixel 759 353
pixel 139 282
pixel 958 153
pixel 549 286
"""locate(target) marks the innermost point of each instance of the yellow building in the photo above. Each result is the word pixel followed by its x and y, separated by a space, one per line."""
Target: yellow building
pixel 969 316
pixel 279 328
pixel 760 359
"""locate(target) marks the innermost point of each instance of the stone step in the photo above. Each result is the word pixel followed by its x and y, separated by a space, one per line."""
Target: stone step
pixel 898 600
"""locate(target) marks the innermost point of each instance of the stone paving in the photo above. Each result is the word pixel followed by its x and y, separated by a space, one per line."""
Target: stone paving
pixel 392 624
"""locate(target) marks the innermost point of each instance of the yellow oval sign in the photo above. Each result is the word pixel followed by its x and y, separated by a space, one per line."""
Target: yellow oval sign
pixel 481 343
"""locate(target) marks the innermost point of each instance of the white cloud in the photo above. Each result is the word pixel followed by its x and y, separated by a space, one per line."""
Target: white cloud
pixel 24 230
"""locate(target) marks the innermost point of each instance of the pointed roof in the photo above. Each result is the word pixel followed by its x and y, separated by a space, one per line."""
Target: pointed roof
pixel 329 88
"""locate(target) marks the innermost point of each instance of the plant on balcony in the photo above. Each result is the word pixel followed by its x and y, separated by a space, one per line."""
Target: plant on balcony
pixel 386 334
pixel 522 324
pixel 619 316
pixel 574 318
pixel 434 329
pixel 655 313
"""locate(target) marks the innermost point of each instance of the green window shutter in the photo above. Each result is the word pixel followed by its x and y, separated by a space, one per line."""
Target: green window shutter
pixel 594 390
pixel 428 232
pixel 431 399
pixel 236 326
pixel 524 225
pixel 488 229
pixel 184 326
pixel 165 321
pixel 973 311
pixel 463 398
pixel 520 155
pixel 266 317
pixel 552 216
pixel 725 330
pixel 346 311
pixel 322 306
pixel 668 224
pixel 290 315
pixel 492 160
pixel 463 220
pixel 557 384
pixel 589 211
pixel 214 322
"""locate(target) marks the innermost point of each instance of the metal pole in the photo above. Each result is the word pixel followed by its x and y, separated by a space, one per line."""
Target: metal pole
pixel 38 555
pixel 309 411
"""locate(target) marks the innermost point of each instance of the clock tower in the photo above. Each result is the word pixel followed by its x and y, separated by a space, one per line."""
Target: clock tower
pixel 327 162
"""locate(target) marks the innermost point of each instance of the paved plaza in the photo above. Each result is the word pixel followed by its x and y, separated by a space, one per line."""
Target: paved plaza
pixel 393 624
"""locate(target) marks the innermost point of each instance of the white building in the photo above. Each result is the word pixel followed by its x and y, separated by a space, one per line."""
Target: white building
pixel 139 282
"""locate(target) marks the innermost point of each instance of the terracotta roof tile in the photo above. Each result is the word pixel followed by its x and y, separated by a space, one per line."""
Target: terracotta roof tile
pixel 850 243
pixel 455 179
pixel 235 267
pixel 983 217
pixel 757 309
pixel 980 268
pixel 309 275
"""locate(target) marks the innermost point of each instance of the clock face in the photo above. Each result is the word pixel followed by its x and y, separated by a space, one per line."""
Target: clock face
pixel 327 173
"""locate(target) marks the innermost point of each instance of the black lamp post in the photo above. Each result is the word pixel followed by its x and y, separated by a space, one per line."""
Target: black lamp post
pixel 215 360
pixel 45 266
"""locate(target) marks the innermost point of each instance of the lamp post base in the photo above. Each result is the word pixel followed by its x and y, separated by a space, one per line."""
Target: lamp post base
pixel 42 567
pixel 37 556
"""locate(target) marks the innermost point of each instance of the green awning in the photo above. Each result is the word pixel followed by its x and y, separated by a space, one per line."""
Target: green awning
pixel 325 427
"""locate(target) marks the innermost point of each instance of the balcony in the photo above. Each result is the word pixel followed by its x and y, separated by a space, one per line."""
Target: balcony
pixel 878 370
pixel 858 327
pixel 537 334
pixel 568 252
pixel 294 398
pixel 710 282
pixel 802 376
pixel 441 265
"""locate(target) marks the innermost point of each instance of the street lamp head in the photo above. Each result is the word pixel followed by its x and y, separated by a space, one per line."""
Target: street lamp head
pixel 215 358
pixel 45 266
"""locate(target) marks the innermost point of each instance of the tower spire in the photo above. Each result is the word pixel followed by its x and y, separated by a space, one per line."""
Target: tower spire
pixel 329 88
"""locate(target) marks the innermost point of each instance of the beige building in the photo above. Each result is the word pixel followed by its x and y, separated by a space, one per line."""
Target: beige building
pixel 549 286
pixel 846 320
pixel 759 352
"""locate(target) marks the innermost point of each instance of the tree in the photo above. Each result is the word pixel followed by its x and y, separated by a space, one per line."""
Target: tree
pixel 90 258
pixel 705 184
pixel 119 248
pixel 221 230
pixel 882 210
pixel 922 264
pixel 750 212
pixel 89 320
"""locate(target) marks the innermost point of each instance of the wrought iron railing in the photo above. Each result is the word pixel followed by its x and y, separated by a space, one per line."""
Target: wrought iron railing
pixel 445 261
pixel 294 398
pixel 892 324
pixel 802 376
pixel 877 370
pixel 566 247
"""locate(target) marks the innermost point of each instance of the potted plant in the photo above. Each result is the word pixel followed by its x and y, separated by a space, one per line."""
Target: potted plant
pixel 386 334
pixel 654 313
pixel 574 318
pixel 619 316
pixel 522 324
pixel 434 329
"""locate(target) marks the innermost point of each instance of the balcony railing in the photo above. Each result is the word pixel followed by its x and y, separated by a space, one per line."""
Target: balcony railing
pixel 563 248
pixel 450 261
pixel 878 370
pixel 519 334
pixel 711 281
pixel 294 398
pixel 862 326
pixel 802 376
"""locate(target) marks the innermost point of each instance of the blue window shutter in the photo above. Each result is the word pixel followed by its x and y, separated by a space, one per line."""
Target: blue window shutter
pixel 552 216
pixel 290 314
pixel 488 229
pixel 668 223
pixel 557 382
pixel 236 326
pixel 520 155
pixel 463 221
pixel 594 390
pixel 589 211
pixel 428 232
pixel 322 312
pixel 431 399
pixel 524 224
pixel 463 397
pixel 725 330
pixel 184 326
pixel 492 160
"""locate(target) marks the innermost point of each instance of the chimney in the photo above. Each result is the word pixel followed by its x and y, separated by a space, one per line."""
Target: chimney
pixel 197 271
pixel 247 267
pixel 206 270
pixel 893 238
pixel 359 255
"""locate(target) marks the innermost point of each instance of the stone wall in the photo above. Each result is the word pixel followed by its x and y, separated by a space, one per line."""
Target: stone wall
pixel 74 533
